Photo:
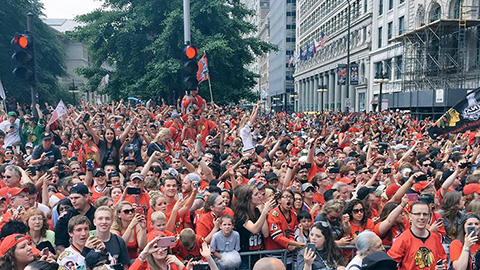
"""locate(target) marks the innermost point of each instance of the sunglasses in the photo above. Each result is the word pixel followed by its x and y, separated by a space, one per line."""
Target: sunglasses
pixel 357 211
pixel 128 211
pixel 321 223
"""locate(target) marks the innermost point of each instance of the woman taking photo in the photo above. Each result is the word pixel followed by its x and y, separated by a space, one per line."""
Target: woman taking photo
pixel 465 247
pixel 452 213
pixel 131 227
pixel 392 222
pixel 89 151
pixel 250 218
pixel 326 255
pixel 153 257
pixel 38 230
pixel 16 252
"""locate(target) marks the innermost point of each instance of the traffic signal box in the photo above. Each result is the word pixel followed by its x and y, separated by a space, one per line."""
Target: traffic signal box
pixel 23 57
pixel 190 68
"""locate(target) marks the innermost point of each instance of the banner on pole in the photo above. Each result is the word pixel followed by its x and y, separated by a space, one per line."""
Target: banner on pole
pixel 202 73
pixel 341 74
pixel 353 74
pixel 60 110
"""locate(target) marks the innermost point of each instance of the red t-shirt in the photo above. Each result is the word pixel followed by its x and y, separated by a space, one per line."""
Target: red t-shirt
pixel 179 221
pixel 456 250
pixel 356 230
pixel 185 254
pixel 205 223
pixel 314 170
pixel 412 252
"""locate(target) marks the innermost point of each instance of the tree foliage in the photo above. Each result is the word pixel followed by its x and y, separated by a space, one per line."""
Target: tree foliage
pixel 49 52
pixel 143 41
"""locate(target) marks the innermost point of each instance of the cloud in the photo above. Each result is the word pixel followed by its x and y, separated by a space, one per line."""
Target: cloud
pixel 68 9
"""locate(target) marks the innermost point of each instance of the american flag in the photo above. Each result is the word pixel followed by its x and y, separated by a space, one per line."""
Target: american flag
pixel 323 39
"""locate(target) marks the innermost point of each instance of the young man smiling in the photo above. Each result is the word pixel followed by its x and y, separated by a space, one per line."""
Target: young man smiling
pixel 418 248
pixel 114 244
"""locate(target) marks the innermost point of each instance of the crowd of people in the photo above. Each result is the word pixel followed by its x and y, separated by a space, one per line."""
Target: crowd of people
pixel 149 186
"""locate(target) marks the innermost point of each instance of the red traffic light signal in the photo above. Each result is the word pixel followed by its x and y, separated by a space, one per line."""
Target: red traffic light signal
pixel 23 57
pixel 190 52
pixel 22 41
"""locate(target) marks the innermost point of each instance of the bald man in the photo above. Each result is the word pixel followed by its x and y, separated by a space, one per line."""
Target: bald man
pixel 269 264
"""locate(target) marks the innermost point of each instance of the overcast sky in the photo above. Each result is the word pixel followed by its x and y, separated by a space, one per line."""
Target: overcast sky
pixel 68 9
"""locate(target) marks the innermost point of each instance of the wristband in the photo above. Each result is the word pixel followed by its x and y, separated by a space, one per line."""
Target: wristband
pixel 466 249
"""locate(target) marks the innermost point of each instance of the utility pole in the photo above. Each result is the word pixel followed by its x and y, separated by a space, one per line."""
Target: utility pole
pixel 33 84
pixel 348 51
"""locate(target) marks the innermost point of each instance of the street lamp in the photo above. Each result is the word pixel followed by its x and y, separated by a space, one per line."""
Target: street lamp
pixel 322 88
pixel 380 78
pixel 73 88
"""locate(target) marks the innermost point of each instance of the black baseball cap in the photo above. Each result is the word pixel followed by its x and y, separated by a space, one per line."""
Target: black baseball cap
pixel 79 188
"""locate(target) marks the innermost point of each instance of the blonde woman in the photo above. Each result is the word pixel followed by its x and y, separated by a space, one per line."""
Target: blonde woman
pixel 131 226
pixel 161 142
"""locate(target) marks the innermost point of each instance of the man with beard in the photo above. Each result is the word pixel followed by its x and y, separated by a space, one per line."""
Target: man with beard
pixel 317 158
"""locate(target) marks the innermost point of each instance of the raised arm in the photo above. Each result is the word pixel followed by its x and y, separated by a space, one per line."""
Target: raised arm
pixel 388 223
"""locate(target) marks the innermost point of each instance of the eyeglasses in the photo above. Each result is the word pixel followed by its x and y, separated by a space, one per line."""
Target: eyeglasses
pixel 358 211
pixel 332 218
pixel 242 167
pixel 128 211
pixel 310 190
pixel 7 176
pixel 364 172
pixel 287 197
pixel 284 165
pixel 427 165
pixel 298 199
pixel 421 214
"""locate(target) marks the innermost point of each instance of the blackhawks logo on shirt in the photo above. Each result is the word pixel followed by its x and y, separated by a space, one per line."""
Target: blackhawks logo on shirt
pixel 424 258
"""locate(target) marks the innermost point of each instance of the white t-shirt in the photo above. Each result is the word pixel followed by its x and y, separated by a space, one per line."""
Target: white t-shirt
pixel 246 135
pixel 11 137
pixel 355 263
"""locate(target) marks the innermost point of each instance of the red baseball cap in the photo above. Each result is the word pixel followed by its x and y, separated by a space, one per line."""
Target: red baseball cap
pixel 391 190
pixel 16 190
pixel 11 241
pixel 346 180
pixel 418 187
pixel 471 188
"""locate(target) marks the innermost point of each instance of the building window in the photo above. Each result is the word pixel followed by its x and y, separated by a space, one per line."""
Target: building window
pixel 361 102
pixel 290 1
pixel 380 7
pixel 365 6
pixel 389 31
pixel 398 67
pixel 378 68
pixel 289 39
pixel 401 23
pixel 388 67
pixel 379 37
pixel 289 52
pixel 401 1
pixel 390 4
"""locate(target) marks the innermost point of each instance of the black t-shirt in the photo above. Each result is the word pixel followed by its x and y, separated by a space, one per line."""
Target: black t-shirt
pixel 109 155
pixel 53 154
pixel 118 249
pixel 248 240
pixel 134 147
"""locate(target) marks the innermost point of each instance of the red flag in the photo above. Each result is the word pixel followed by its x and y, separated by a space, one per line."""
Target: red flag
pixel 202 73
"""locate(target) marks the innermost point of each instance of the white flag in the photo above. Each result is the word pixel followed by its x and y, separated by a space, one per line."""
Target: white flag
pixel 104 81
pixel 2 91
pixel 60 110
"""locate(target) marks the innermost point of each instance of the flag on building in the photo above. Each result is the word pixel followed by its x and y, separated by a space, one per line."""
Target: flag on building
pixel 314 50
pixel 463 116
pixel 323 39
pixel 309 52
pixel 290 61
pixel 60 110
pixel 104 81
pixel 317 45
pixel 295 57
pixel 302 55
pixel 2 91
pixel 202 73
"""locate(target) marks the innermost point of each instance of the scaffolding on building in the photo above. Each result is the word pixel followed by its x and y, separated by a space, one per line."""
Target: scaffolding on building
pixel 443 54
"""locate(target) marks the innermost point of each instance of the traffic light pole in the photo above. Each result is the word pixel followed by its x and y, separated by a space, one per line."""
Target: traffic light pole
pixel 186 21
pixel 33 83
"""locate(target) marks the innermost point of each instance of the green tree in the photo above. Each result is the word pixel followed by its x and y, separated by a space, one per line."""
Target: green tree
pixel 143 41
pixel 49 52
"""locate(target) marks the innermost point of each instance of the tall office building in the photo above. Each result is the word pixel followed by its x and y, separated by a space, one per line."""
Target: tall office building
pixel 282 20
pixel 321 77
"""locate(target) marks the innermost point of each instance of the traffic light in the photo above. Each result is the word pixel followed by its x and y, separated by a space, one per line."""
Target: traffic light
pixel 190 68
pixel 23 57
